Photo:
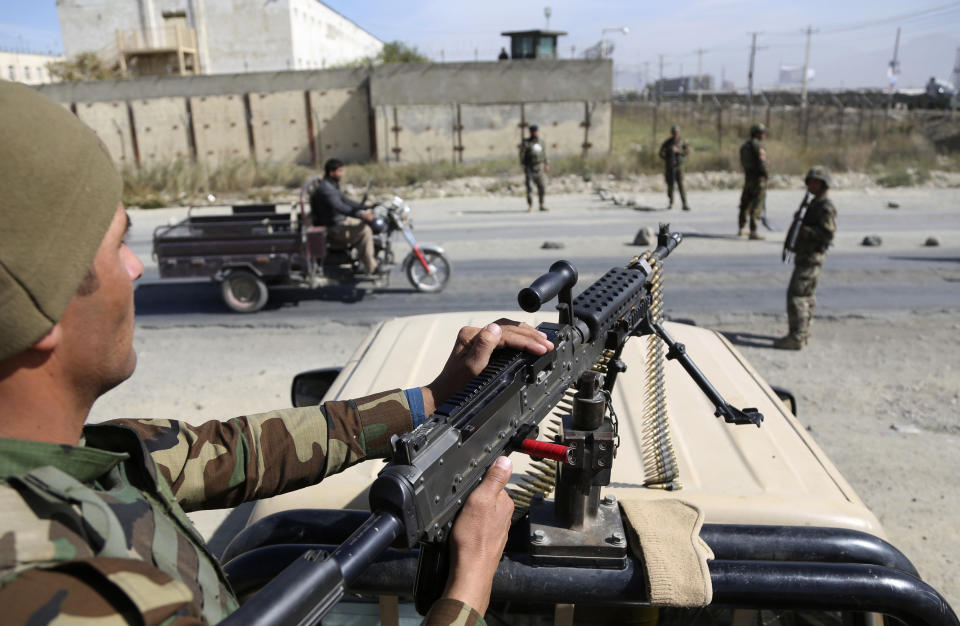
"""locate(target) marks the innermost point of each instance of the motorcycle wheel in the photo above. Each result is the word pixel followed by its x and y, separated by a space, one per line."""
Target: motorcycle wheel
pixel 244 292
pixel 424 281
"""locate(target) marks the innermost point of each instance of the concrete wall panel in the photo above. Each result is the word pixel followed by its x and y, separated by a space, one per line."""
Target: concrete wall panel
pixel 111 122
pixel 161 127
pixel 601 119
pixel 426 133
pixel 341 124
pixel 279 122
pixel 561 125
pixel 490 131
pixel 220 129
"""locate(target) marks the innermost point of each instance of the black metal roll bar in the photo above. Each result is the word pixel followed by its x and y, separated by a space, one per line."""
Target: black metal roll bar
pixel 761 567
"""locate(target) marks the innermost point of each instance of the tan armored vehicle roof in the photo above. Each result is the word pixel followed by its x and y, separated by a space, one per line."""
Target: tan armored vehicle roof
pixel 775 474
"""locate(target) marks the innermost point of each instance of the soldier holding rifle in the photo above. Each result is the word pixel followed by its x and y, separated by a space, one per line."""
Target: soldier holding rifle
pixel 814 225
pixel 674 151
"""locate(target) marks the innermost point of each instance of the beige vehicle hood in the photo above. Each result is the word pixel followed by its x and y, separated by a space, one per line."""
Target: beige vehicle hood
pixel 775 474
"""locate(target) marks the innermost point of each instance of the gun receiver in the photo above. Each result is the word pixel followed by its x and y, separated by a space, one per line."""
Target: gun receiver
pixel 417 496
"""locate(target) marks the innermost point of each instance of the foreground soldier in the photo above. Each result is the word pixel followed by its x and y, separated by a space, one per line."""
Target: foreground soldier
pixel 753 158
pixel 533 158
pixel 816 234
pixel 673 151
pixel 92 518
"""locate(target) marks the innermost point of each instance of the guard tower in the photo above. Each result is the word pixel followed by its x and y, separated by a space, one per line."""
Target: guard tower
pixel 533 44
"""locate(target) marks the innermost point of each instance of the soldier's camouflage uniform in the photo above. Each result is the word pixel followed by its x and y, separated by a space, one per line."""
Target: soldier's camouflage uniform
pixel 97 532
pixel 673 166
pixel 816 234
pixel 533 158
pixel 753 158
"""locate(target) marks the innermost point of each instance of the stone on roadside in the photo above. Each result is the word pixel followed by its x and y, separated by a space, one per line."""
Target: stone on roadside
pixel 553 245
pixel 906 429
pixel 931 242
pixel 893 205
pixel 644 237
pixel 871 241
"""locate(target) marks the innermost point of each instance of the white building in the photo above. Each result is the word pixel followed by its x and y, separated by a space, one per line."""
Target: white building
pixel 30 69
pixel 213 36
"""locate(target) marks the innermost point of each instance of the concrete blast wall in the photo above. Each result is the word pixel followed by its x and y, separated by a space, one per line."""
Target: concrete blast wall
pixel 395 113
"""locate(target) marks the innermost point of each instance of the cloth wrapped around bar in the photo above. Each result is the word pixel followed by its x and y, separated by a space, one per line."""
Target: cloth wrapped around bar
pixel 665 533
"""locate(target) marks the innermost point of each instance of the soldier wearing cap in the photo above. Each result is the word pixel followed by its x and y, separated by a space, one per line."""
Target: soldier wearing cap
pixel 533 159
pixel 753 158
pixel 674 151
pixel 94 515
pixel 816 233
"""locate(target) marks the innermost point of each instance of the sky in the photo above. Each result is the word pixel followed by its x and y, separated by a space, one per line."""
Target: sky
pixel 851 44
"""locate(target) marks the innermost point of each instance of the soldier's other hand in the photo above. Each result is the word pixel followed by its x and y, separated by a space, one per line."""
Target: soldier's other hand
pixel 367 216
pixel 472 351
pixel 546 168
pixel 478 538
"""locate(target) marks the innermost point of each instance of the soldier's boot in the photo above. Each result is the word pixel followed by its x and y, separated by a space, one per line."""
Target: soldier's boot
pixel 686 207
pixel 755 235
pixel 742 232
pixel 789 342
pixel 529 207
pixel 544 207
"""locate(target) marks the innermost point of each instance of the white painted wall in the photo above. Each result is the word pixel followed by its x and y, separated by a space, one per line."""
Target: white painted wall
pixel 323 38
pixel 233 36
pixel 30 69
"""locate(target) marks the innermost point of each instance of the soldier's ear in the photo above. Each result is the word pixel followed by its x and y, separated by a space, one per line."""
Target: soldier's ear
pixel 50 340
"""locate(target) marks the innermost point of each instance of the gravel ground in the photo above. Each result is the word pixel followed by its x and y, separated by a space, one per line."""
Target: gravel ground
pixel 884 409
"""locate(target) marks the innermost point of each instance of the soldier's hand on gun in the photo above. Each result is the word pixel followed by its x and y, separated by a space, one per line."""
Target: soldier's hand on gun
pixel 478 538
pixel 472 351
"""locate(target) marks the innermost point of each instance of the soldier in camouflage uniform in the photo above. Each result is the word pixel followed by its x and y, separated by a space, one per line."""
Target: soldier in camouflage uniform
pixel 816 233
pixel 753 158
pixel 533 159
pixel 93 524
pixel 674 151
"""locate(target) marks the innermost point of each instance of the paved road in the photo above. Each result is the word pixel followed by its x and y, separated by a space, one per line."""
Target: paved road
pixel 496 248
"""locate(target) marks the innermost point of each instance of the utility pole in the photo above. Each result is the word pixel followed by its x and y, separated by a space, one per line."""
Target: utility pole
pixel 956 70
pixel 646 75
pixel 660 82
pixel 699 85
pixel 546 14
pixel 806 69
pixel 753 54
pixel 894 70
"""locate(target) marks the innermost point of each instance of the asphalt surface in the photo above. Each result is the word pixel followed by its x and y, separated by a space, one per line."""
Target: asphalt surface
pixel 496 248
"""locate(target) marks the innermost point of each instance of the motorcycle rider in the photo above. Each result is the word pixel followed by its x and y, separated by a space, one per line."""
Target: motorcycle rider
pixel 347 221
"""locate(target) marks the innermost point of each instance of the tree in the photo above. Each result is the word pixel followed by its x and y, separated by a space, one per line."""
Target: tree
pixel 84 66
pixel 399 52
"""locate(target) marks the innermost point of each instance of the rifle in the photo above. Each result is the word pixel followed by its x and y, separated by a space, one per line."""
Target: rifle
pixel 790 243
pixel 434 468
pixel 763 215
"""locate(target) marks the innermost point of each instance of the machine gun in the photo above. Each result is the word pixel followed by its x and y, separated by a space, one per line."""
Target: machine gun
pixel 417 496
pixel 790 243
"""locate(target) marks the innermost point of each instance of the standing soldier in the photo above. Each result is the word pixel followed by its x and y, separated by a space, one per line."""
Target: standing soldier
pixel 673 151
pixel 533 158
pixel 753 158
pixel 817 227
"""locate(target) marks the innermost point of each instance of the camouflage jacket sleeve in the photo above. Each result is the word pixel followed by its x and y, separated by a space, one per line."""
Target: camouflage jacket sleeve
pixel 448 612
pixel 665 151
pixel 223 464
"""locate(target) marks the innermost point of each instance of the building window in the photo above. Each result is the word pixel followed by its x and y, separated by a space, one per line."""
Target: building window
pixel 39 75
pixel 11 72
pixel 26 72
